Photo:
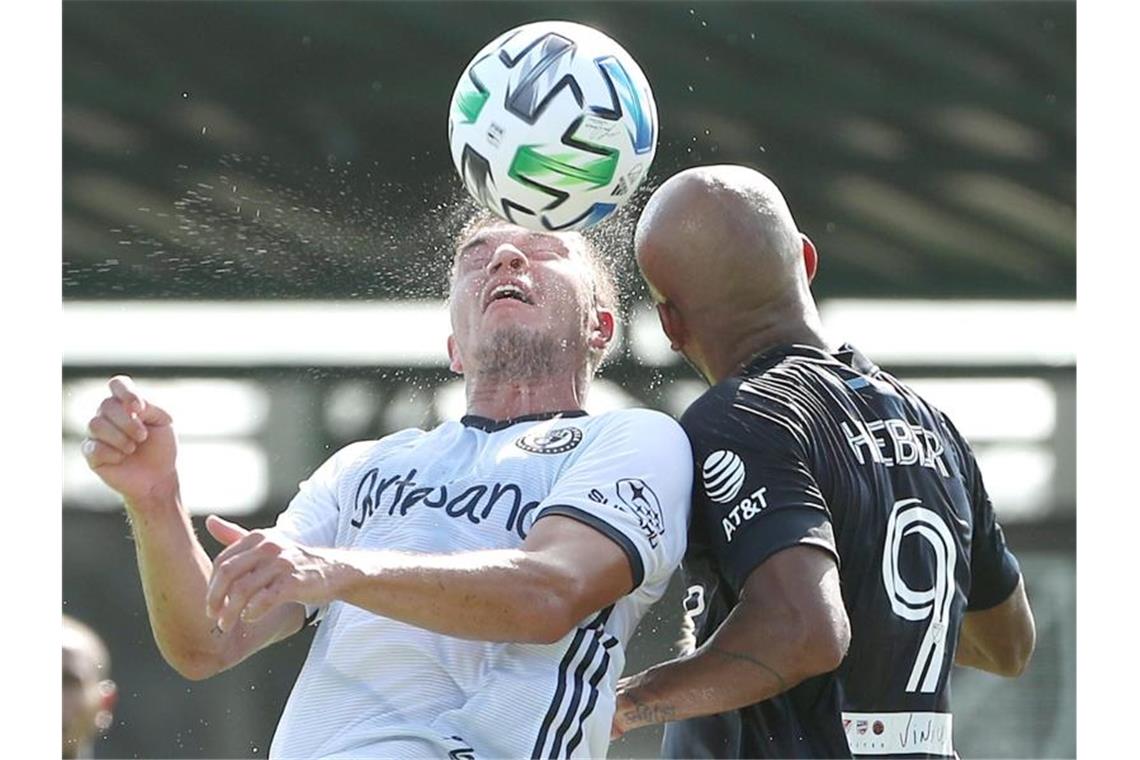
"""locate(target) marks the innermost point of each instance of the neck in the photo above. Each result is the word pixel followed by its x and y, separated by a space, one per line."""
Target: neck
pixel 732 342
pixel 500 399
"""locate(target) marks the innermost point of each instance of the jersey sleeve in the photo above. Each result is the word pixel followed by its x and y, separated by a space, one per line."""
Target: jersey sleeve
pixel 631 481
pixel 994 570
pixel 755 493
pixel 312 515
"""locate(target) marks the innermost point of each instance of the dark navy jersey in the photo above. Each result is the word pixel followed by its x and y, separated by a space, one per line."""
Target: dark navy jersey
pixel 806 447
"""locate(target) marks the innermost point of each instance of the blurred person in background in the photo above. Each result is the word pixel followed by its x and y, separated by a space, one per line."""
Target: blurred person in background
pixel 843 553
pixel 475 583
pixel 89 694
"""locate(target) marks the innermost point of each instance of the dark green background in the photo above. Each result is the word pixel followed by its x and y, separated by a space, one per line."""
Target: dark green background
pixel 297 150
pixel 330 120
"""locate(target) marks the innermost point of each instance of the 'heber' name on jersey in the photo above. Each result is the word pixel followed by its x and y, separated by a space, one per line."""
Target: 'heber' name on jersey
pixel 895 443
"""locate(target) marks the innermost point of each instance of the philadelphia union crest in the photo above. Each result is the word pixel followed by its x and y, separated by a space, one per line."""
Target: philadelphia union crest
pixel 557 441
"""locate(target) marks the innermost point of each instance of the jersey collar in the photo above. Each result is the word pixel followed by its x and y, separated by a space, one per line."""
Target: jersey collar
pixel 488 425
pixel 855 359
pixel 847 354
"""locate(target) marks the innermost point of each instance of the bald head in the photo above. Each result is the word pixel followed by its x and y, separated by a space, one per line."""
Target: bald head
pixel 729 270
pixel 719 236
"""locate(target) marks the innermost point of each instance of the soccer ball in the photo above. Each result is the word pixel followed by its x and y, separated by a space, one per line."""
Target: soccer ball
pixel 552 126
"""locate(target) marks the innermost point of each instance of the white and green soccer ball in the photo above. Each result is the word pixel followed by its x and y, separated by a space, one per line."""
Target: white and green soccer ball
pixel 552 126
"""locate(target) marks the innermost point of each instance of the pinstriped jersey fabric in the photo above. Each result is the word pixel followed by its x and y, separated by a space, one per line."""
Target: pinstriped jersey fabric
pixel 374 687
pixel 804 447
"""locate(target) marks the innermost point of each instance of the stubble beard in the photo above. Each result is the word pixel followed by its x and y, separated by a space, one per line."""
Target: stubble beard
pixel 517 353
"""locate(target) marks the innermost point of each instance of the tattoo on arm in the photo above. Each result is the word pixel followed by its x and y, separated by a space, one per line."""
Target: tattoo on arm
pixel 644 715
pixel 783 686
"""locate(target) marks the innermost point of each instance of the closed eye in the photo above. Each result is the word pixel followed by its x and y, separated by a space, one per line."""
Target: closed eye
pixel 545 245
pixel 474 258
pixel 546 253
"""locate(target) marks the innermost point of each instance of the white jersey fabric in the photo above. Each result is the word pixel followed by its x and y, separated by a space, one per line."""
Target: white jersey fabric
pixel 375 687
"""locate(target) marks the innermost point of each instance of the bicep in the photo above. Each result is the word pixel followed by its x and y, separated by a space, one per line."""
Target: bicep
pixel 802 581
pixel 593 566
pixel 796 589
pixel 790 622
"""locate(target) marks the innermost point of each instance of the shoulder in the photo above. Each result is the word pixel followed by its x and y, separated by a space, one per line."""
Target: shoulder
pixel 408 436
pixel 725 408
pixel 716 400
pixel 948 425
pixel 649 429
pixel 924 406
pixel 635 416
pixel 639 419
pixel 744 410
pixel 955 442
pixel 348 455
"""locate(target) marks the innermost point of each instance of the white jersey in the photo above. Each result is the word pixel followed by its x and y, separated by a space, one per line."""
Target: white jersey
pixel 375 687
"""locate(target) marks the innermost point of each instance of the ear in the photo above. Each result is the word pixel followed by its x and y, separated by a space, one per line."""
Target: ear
pixel 811 257
pixel 453 355
pixel 603 331
pixel 673 325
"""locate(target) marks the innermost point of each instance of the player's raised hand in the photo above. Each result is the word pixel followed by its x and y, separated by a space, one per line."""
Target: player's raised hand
pixel 130 443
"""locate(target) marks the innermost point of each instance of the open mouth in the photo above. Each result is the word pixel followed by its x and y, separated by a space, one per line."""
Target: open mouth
pixel 508 291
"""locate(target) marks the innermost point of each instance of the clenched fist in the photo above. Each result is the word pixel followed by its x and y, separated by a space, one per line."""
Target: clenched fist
pixel 130 444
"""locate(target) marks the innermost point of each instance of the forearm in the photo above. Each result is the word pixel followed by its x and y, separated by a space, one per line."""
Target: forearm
pixel 789 625
pixel 1001 639
pixel 131 446
pixel 498 595
pixel 175 570
pixel 731 670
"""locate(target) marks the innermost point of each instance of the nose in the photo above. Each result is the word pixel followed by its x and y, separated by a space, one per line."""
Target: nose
pixel 507 255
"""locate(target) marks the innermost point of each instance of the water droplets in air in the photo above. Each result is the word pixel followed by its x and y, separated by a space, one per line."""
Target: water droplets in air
pixel 254 227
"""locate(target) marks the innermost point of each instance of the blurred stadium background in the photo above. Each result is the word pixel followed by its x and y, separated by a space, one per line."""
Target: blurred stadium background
pixel 257 198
